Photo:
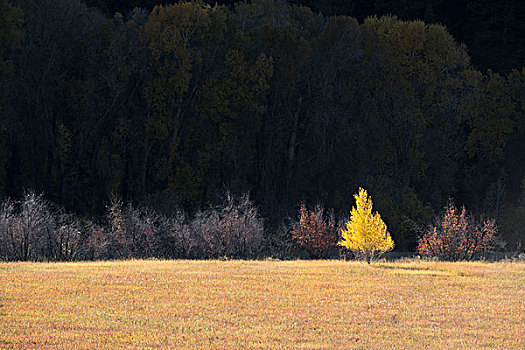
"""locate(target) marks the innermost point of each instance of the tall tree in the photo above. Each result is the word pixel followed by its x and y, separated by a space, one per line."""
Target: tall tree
pixel 185 41
pixel 412 117
pixel 60 103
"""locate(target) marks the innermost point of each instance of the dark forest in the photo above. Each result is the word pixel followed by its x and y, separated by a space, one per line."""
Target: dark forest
pixel 172 106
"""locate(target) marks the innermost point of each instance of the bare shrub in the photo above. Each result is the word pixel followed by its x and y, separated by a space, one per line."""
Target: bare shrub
pixel 280 243
pixel 133 232
pixel 8 244
pixel 183 242
pixel 68 238
pixel 119 244
pixel 142 226
pixel 33 228
pixel 97 242
pixel 232 230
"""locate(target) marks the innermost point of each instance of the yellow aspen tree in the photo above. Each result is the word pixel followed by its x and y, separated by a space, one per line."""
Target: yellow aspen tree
pixel 365 233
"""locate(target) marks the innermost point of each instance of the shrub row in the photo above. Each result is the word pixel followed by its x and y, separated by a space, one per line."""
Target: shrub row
pixel 35 229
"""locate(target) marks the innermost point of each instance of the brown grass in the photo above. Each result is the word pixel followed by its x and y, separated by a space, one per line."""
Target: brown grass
pixel 262 305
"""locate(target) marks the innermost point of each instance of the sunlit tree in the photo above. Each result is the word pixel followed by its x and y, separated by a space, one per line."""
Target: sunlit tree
pixel 366 234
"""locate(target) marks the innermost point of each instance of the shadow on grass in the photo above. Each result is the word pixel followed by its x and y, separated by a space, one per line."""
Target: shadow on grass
pixel 410 268
pixel 421 270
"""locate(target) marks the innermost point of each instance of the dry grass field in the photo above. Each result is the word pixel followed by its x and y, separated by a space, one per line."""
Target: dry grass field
pixel 262 305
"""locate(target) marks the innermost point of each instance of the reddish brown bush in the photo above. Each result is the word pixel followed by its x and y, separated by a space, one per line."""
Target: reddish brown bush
pixel 457 236
pixel 316 232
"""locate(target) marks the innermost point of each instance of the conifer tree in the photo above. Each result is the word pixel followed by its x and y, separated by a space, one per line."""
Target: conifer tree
pixel 366 233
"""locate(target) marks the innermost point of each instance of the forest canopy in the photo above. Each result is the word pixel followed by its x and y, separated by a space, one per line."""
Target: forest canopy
pixel 171 106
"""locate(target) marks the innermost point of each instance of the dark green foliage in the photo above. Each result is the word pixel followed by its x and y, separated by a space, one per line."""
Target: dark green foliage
pixel 493 30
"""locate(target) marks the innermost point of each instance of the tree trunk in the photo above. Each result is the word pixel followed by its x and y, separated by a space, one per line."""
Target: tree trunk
pixel 291 150
pixel 145 158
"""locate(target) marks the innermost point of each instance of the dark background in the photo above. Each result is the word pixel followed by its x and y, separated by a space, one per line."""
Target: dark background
pixel 173 110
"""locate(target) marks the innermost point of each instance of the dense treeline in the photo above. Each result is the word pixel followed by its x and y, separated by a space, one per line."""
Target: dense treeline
pixel 494 31
pixel 171 108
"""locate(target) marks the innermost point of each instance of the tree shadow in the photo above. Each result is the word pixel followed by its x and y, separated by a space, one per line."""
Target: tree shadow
pixel 408 268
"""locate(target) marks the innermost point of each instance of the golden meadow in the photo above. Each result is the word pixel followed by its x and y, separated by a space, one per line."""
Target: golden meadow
pixel 192 304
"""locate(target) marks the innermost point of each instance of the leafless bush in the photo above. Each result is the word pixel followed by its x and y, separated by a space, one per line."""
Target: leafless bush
pixel 30 228
pixel 142 227
pixel 68 239
pixel 117 238
pixel 35 229
pixel 35 225
pixel 183 242
pixel 8 244
pixel 280 243
pixel 133 232
pixel 232 230
pixel 96 242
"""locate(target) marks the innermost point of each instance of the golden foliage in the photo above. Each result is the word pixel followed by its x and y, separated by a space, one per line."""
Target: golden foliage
pixel 366 233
